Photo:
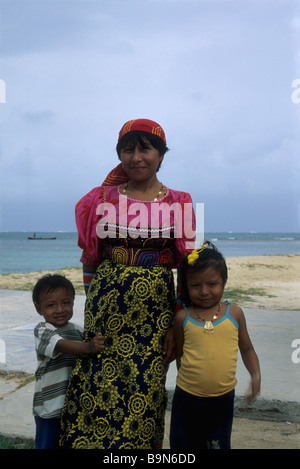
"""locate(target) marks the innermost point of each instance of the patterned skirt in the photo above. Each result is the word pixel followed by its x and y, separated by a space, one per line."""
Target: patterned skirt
pixel 117 399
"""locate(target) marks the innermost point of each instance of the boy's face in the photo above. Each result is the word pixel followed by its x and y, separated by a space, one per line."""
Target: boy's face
pixel 56 306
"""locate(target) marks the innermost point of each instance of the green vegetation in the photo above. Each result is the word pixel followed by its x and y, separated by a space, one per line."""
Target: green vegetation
pixel 239 296
pixel 259 265
pixel 15 443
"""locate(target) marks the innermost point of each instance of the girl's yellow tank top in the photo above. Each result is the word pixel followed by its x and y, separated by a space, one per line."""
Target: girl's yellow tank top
pixel 208 364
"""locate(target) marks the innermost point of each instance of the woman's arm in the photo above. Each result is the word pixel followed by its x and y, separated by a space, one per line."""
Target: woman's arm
pixel 169 350
pixel 173 343
pixel 178 332
pixel 88 273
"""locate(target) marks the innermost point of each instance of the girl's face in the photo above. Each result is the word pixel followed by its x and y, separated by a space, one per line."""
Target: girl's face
pixel 205 287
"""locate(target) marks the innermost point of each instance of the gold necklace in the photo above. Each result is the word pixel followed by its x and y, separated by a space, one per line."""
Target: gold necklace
pixel 162 190
pixel 208 326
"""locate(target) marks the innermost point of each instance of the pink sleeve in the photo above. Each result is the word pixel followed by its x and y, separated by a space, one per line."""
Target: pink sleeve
pixel 186 243
pixel 86 221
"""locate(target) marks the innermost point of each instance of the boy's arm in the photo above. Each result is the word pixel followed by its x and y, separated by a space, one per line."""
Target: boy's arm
pixel 71 347
pixel 250 359
pixel 178 332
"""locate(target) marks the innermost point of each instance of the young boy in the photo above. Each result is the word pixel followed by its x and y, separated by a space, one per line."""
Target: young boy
pixel 56 341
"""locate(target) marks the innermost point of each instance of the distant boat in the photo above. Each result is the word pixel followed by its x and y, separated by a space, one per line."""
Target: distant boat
pixel 39 237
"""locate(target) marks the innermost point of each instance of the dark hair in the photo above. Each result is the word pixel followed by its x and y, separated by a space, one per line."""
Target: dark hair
pixel 142 139
pixel 209 256
pixel 49 283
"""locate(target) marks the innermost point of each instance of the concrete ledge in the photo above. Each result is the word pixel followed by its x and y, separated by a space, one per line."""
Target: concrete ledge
pixel 272 410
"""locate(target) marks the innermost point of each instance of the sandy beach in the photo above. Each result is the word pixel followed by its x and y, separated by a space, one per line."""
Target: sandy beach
pixel 266 282
pixel 263 282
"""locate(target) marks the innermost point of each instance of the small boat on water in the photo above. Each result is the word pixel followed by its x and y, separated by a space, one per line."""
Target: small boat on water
pixel 39 237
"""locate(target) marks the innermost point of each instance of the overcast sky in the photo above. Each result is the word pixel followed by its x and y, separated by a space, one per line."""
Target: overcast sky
pixel 217 75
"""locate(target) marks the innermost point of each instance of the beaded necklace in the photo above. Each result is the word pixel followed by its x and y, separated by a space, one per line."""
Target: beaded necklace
pixel 162 190
pixel 208 326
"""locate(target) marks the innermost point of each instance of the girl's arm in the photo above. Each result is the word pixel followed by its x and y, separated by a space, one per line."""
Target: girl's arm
pixel 71 347
pixel 178 332
pixel 250 358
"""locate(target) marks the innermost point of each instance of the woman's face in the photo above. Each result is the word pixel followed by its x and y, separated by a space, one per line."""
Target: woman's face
pixel 140 163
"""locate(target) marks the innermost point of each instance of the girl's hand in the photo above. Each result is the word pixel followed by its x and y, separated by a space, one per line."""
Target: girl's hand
pixel 253 389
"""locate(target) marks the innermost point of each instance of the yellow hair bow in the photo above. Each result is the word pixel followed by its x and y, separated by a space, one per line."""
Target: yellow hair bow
pixel 193 257
pixel 195 254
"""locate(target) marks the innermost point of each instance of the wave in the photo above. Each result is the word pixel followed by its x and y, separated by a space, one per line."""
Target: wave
pixel 20 255
pixel 251 236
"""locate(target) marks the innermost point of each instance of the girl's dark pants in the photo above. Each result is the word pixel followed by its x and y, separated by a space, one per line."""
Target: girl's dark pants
pixel 201 422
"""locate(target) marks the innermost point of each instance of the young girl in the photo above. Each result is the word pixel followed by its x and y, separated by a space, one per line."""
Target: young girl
pixel 208 334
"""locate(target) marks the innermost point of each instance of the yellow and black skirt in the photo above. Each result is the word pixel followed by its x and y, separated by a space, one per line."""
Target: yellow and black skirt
pixel 117 399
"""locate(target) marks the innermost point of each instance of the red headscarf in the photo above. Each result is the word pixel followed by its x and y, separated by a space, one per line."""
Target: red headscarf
pixel 145 125
pixel 118 176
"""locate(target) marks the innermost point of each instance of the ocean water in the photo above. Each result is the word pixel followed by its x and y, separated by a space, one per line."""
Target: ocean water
pixel 19 254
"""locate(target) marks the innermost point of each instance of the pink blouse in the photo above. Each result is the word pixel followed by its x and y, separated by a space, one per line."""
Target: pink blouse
pixel 111 225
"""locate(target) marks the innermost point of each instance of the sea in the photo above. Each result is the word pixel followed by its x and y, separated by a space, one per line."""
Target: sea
pixel 20 254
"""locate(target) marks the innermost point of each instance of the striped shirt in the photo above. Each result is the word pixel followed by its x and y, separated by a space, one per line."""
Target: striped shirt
pixel 53 370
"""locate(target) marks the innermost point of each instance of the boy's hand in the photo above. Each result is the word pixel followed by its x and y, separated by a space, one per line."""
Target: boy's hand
pixel 97 343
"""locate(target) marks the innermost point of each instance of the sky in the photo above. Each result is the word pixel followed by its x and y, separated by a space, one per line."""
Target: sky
pixel 220 76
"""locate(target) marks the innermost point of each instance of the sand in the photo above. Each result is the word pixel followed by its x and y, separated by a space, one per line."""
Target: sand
pixel 266 282
pixel 26 281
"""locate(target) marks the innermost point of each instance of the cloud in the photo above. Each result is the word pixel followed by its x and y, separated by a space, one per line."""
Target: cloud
pixel 38 117
pixel 216 74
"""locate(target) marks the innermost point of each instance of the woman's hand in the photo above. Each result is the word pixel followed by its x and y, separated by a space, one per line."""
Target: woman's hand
pixel 169 347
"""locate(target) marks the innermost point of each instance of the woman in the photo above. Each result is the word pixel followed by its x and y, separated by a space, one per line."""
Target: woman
pixel 131 240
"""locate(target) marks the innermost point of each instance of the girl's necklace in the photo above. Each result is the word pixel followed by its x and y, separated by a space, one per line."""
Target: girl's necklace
pixel 162 190
pixel 208 326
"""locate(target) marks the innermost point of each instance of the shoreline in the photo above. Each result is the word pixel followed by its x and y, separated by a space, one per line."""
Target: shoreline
pixel 264 282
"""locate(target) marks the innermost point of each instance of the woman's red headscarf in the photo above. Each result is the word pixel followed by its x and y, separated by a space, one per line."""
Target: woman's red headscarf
pixel 118 176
